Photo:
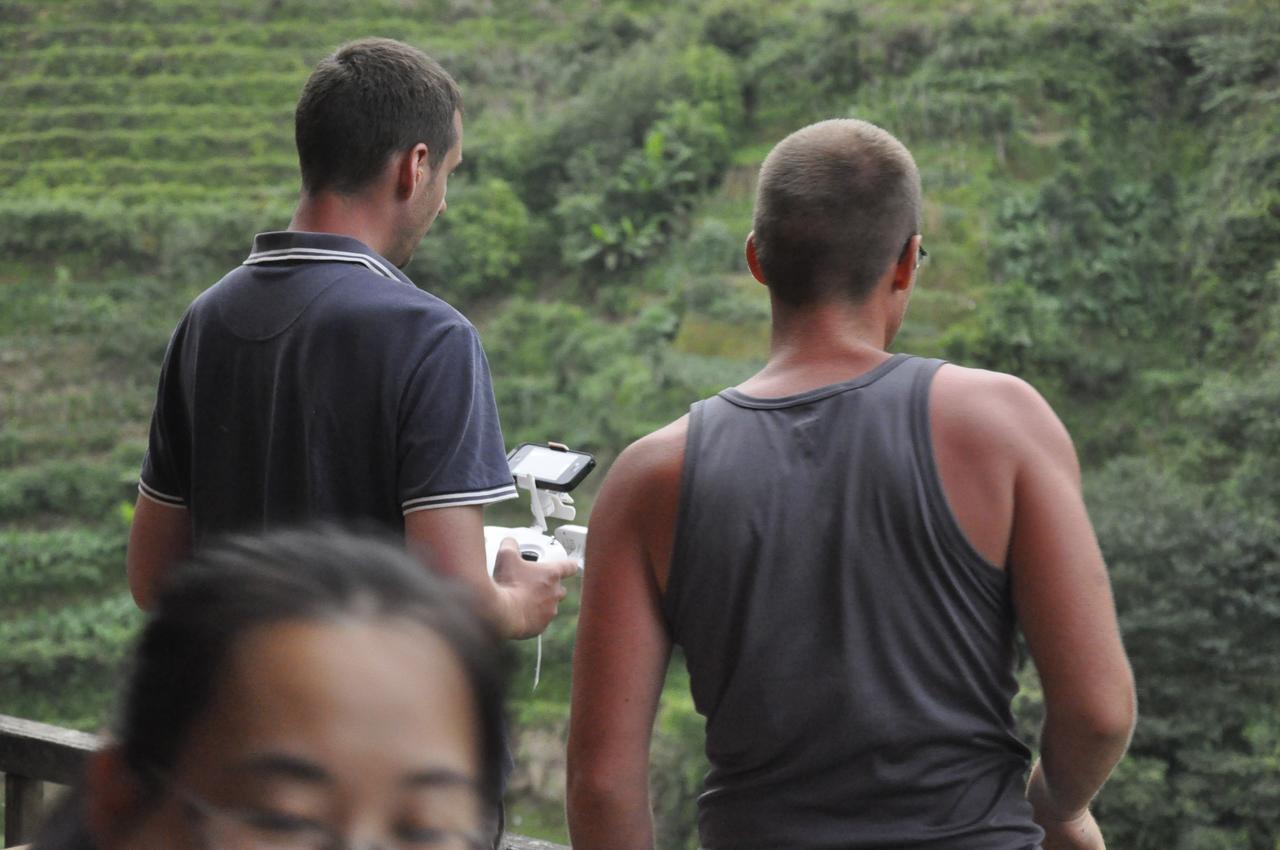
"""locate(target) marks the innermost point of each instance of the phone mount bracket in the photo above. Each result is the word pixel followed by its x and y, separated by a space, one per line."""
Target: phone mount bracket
pixel 546 504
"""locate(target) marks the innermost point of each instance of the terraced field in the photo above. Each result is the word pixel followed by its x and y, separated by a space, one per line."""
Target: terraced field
pixel 143 115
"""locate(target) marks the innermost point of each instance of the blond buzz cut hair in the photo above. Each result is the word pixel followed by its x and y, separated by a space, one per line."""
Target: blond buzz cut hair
pixel 836 205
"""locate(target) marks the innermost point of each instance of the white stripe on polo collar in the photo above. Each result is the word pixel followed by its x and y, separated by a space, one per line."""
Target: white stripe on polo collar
pixel 282 254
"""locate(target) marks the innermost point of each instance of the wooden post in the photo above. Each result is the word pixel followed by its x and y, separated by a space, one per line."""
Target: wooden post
pixel 23 800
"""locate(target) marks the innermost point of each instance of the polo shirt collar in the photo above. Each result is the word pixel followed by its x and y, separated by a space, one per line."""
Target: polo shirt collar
pixel 296 246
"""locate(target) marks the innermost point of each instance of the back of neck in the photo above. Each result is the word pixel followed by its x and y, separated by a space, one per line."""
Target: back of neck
pixel 819 345
pixel 344 215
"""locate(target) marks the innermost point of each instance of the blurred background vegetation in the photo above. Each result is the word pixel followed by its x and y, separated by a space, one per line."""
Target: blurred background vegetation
pixel 1103 218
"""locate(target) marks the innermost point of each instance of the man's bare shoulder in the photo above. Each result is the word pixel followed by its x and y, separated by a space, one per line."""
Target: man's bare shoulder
pixel 994 410
pixel 982 387
pixel 635 512
pixel 656 459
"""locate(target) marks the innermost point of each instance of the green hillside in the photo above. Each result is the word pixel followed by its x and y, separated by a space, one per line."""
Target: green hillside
pixel 1103 218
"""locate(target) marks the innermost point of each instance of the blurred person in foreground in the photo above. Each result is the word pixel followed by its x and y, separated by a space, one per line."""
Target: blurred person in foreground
pixel 316 382
pixel 843 546
pixel 301 691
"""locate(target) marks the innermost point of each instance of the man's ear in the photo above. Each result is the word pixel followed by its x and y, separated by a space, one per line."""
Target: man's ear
pixel 412 168
pixel 905 268
pixel 114 797
pixel 753 259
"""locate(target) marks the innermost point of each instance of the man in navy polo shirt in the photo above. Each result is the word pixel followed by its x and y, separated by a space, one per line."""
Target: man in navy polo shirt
pixel 317 382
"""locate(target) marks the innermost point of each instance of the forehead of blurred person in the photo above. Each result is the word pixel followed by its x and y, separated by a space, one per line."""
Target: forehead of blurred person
pixel 366 727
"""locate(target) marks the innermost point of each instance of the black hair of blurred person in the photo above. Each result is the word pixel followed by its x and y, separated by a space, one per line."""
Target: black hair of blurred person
pixel 314 575
pixel 372 98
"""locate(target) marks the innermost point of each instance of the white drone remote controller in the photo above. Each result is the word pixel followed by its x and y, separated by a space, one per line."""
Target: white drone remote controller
pixel 535 544
pixel 548 472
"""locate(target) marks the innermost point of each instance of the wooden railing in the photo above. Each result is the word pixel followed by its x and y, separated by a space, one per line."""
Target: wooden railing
pixel 32 754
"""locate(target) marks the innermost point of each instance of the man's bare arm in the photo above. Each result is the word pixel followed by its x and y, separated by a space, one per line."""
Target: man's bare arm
pixel 622 649
pixel 522 597
pixel 1065 609
pixel 159 538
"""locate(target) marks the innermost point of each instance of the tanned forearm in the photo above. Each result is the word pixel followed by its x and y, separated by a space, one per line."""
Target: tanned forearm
pixel 607 816
pixel 1076 758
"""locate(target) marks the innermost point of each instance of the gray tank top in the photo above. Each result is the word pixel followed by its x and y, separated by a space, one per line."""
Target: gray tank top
pixel 852 653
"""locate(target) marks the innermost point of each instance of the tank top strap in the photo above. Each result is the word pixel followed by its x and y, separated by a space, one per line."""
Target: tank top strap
pixel 936 505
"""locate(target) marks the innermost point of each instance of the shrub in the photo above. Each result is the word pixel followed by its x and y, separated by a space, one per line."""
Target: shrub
pixel 50 565
pixel 62 665
pixel 632 217
pixel 174 242
pixel 81 490
pixel 476 249
pixel 1197 586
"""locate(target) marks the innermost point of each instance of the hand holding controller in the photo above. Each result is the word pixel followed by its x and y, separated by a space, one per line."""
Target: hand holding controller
pixel 568 542
pixel 535 587
pixel 529 564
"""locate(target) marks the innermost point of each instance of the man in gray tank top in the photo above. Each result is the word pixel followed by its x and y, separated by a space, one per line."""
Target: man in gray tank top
pixel 843 546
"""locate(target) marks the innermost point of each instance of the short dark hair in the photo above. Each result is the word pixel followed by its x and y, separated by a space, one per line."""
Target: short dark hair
pixel 372 98
pixel 836 204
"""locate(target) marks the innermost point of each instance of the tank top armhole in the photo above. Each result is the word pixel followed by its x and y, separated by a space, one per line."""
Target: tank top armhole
pixel 937 505
pixel 676 568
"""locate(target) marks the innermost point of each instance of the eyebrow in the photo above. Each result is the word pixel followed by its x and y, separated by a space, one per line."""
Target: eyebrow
pixel 283 765
pixel 287 766
pixel 438 776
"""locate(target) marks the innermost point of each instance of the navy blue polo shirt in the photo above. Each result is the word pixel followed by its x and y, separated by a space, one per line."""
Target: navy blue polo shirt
pixel 315 381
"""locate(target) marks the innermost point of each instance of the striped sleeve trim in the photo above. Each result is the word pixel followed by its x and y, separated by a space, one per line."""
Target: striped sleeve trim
pixel 450 500
pixel 163 498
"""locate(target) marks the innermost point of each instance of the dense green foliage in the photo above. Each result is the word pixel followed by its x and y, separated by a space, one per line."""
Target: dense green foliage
pixel 1103 217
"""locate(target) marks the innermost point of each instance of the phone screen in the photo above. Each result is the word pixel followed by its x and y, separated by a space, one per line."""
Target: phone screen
pixel 544 464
